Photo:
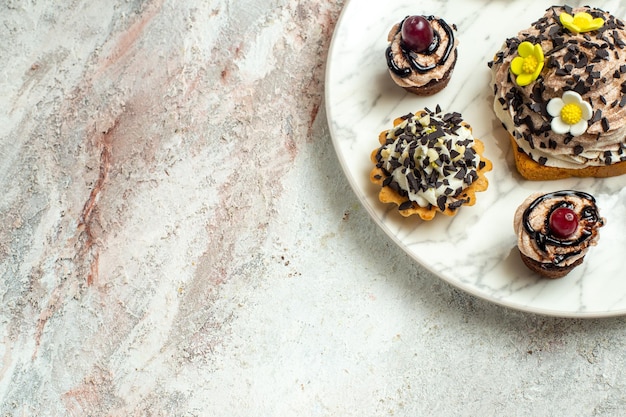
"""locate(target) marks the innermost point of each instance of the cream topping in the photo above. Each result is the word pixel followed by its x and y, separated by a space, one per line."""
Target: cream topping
pixel 592 64
pixel 442 59
pixel 430 158
pixel 534 238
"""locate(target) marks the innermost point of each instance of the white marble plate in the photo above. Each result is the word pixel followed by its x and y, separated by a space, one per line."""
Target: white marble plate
pixel 475 250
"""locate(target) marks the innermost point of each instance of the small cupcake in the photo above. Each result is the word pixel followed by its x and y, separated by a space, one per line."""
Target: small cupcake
pixel 421 54
pixel 429 162
pixel 555 231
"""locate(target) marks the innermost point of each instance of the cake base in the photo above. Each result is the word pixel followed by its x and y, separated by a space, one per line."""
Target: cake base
pixel 434 86
pixel 550 271
pixel 534 171
pixel 431 88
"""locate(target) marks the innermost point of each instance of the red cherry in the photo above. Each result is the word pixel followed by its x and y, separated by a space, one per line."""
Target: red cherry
pixel 563 222
pixel 417 33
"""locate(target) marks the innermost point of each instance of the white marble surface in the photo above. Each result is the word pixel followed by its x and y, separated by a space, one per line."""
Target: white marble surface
pixel 178 238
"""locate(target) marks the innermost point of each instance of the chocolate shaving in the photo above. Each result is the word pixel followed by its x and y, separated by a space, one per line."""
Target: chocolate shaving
pixel 441 202
pixel 601 55
pixel 405 206
pixel 455 205
pixel 618 41
pixel 582 62
pixel 605 124
pixel 581 88
pixel 597 115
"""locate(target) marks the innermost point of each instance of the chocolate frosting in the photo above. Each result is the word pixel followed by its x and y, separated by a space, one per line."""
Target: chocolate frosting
pixel 592 64
pixel 535 239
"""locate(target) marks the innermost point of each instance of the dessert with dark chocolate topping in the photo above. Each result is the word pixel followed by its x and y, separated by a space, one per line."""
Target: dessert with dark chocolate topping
pixel 429 162
pixel 421 54
pixel 555 231
pixel 560 92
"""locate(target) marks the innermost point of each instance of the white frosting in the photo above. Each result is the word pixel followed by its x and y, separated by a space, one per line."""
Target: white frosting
pixel 441 166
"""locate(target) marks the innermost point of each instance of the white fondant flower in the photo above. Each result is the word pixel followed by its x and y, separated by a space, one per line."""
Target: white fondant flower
pixel 570 114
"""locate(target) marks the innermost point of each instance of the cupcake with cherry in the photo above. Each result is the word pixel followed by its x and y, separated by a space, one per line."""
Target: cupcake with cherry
pixel 556 230
pixel 422 53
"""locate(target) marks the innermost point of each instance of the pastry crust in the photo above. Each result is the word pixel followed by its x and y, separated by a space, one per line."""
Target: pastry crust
pixel 533 171
pixel 389 195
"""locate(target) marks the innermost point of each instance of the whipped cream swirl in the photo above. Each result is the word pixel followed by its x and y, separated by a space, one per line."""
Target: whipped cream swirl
pixel 430 158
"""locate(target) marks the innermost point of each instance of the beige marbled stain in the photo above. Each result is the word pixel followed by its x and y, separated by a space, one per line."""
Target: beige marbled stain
pixel 157 168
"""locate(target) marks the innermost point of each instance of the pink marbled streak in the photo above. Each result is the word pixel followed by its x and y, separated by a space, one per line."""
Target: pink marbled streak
pixel 158 167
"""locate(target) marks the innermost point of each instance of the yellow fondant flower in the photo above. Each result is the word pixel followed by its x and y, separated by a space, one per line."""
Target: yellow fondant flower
pixel 570 114
pixel 528 64
pixel 581 22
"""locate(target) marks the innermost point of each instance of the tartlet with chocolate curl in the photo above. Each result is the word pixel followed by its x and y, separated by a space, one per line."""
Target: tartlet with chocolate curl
pixel 560 92
pixel 429 162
